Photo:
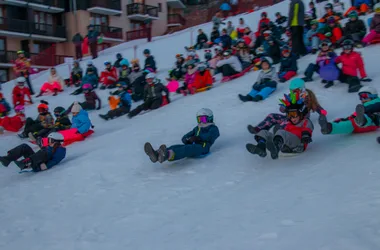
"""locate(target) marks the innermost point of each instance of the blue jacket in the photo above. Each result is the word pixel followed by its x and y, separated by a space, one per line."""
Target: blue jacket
pixel 125 99
pixel 56 157
pixel 208 135
pixel 81 122
pixel 226 41
pixel 92 36
pixel 288 63
pixel 91 79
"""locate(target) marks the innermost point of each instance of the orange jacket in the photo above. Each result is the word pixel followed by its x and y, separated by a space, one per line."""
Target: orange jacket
pixel 202 81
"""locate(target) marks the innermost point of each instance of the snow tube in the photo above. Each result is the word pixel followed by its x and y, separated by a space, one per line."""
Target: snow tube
pixel 329 72
pixel 70 136
pixel 173 86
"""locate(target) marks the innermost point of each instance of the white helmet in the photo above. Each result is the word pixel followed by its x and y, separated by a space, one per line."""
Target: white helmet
pixel 89 63
pixel 206 112
pixel 376 8
pixel 218 48
pixel 150 76
pixel 56 137
pixel 368 89
pixel 21 79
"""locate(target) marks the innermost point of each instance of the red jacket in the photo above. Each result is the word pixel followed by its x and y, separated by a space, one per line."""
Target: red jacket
pixel 299 128
pixel 18 95
pixel 202 81
pixel 14 123
pixel 108 77
pixel 262 20
pixel 351 63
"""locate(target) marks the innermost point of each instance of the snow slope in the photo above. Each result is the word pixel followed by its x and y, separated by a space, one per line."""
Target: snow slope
pixel 108 195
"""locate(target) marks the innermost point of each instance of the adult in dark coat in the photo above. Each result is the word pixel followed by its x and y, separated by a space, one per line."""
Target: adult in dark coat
pixel 93 41
pixel 77 41
pixel 296 22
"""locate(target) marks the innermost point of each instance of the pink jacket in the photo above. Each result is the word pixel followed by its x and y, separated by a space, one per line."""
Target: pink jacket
pixel 190 76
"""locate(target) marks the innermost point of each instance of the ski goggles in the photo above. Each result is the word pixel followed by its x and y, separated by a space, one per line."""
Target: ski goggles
pixel 325 45
pixel 347 47
pixel 202 119
pixel 366 96
pixel 292 114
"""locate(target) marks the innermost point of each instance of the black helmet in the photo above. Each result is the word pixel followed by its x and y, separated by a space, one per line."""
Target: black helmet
pixel 329 6
pixel 58 111
pixel 119 56
pixel 348 44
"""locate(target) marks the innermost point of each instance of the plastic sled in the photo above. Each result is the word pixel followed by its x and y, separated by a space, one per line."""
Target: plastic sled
pixel 201 156
pixel 77 138
pixel 164 101
pixel 229 78
pixel 173 86
pixel 329 72
pixel 203 89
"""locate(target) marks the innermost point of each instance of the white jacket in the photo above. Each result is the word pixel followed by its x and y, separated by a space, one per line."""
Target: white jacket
pixel 56 78
pixel 233 61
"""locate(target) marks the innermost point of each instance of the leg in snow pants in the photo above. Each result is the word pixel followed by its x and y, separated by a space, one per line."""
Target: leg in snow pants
pixel 78 52
pixel 349 126
pixel 297 40
pixel 191 150
pixel 309 72
pixel 29 83
pixel 290 140
pixel 32 126
pixel 123 110
pixel 271 120
pixel 148 104
pixel 26 151
pixel 352 81
pixel 84 105
pixel 94 50
pixel 264 93
pixel 227 70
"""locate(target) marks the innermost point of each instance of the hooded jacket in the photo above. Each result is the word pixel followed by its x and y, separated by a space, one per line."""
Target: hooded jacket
pixel 81 122
pixel 207 134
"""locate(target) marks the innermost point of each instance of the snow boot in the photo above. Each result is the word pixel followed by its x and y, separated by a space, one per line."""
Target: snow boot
pixel 153 155
pixel 307 79
pixel 329 84
pixel 22 135
pixel 326 127
pixel 259 149
pixel 23 164
pixel 274 146
pixel 162 154
pixel 245 98
pixel 4 161
pixel 105 117
pixel 360 119
pixel 55 92
pixel 354 88
pixel 253 130
pixel 324 81
pixel 314 51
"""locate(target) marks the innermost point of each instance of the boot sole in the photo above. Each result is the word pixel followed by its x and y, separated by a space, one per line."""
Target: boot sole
pixel 253 149
pixel 150 152
pixel 251 129
pixel 272 149
pixel 360 115
pixel 323 123
pixel 31 137
pixel 162 151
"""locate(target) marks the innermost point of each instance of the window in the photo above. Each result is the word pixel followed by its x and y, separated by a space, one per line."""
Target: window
pixel 97 19
pixel 43 21
pixel 159 7
pixel 1 15
pixel 2 44
pixel 3 75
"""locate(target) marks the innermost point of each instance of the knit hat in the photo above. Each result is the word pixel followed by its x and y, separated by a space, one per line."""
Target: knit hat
pixel 76 108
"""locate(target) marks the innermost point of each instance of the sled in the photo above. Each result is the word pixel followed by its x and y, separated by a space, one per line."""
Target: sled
pixel 203 89
pixel 113 102
pixel 229 78
pixel 173 86
pixel 329 72
pixel 164 101
pixel 77 138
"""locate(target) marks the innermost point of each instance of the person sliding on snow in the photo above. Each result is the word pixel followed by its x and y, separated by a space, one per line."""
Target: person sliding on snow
pixel 14 123
pixel 351 62
pixel 20 91
pixel 44 120
pixel 108 77
pixel 90 99
pixel 288 65
pixel 265 84
pixel 293 138
pixel 5 108
pixel 365 119
pixel 45 158
pixel 153 97
pixel 120 105
pixel 196 143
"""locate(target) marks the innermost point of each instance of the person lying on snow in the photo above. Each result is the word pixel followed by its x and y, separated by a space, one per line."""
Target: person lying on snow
pixel 44 120
pixel 91 66
pixel 196 143
pixel 297 85
pixel 120 102
pixel 325 58
pixel 351 63
pixel 153 97
pixel 90 97
pixel 311 38
pixel 90 78
pixel 203 79
pixel 330 13
pixel 14 123
pixel 293 138
pixel 54 84
pixel 365 119
pixel 189 77
pixel 45 158
pixel 355 29
pixel 108 77
pixel 150 63
pixel 229 65
pixel 178 71
pixel 5 108
pixel 265 84
pixel 20 91
pixel 62 122
pixel 76 74
pixel 332 31
pixel 374 33
pixel 288 64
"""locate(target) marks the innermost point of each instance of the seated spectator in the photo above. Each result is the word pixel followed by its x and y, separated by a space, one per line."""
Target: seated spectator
pixel 214 35
pixel 201 40
pixel 241 28
pixel 108 77
pixel 361 6
pixel 354 29
pixel 374 27
pixel 331 31
pixel 5 108
pixel 225 40
pixel 229 65
pixel 249 37
pixel 311 37
pixel 54 84
pixel 76 74
pixel 330 13
pixel 338 7
pixel 230 28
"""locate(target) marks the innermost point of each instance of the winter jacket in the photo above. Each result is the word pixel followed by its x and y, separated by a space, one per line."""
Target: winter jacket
pixel 296 13
pixel 91 79
pixel 353 27
pixel 62 123
pixel 208 133
pixel 94 69
pixel 54 156
pixel 138 85
pixel 313 13
pixel 357 3
pixel 14 123
pixel 262 20
pixel 56 78
pixel 134 75
pixel 333 33
pixel 375 23
pixel 18 95
pixel 91 98
pixel 108 75
pixel 81 122
pixel 22 65
pixel 77 71
pixel 4 106
pixel 217 21
pixel 154 91
pixel 331 13
pixel 215 35
pixel 202 38
pixel 150 63
pixel 311 33
pixel 288 63
pixel 77 39
pixel 124 97
pixel 226 41
pixel 266 76
pixel 305 126
pixel 274 52
pixel 233 61
pixel 46 121
pixel 281 20
pixel 92 36
pixel 351 63
pixel 190 76
pixel 230 29
pixel 325 58
pixel 202 79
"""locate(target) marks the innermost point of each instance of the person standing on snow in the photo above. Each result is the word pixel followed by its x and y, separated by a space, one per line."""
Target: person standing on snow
pixel 296 23
pixel 22 68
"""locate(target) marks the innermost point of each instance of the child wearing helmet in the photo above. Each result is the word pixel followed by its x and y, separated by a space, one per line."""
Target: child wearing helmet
pixel 203 79
pixel 14 123
pixel 120 102
pixel 179 69
pixel 153 97
pixel 46 158
pixel 294 137
pixel 196 143
pixel 4 106
pixel 20 91
pixel 265 84
pixel 332 31
pixel 108 77
pixel 281 20
pixel 365 119
pixel 330 13
pixel 352 62
pixel 149 61
pixel 91 66
pixel 22 68
pixel 92 100
pixel 119 60
pixel 311 37
pixel 288 65
pixel 54 84
pixel 355 28
pixel 374 27
pixel 76 74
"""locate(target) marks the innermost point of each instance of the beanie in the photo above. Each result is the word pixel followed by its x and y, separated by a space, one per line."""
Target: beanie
pixel 76 108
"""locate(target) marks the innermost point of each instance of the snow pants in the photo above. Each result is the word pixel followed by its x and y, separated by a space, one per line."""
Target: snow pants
pixel 190 150
pixel 349 126
pixel 75 79
pixel 227 70
pixel 25 151
pixel 271 120
pixel 55 86
pixel 148 104
pixel 290 140
pixel 352 81
pixel 297 40
pixel 29 83
pixel 309 72
pixel 287 75
pixel 78 52
pixel 31 126
pixel 117 112
pixel 264 93
pixel 84 105
pixel 356 37
pixel 372 35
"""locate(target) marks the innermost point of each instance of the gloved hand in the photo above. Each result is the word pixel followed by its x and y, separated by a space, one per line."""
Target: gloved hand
pixel 366 79
pixel 328 34
pixel 323 112
pixel 306 137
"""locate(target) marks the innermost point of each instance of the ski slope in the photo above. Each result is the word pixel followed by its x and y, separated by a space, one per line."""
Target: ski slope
pixel 108 195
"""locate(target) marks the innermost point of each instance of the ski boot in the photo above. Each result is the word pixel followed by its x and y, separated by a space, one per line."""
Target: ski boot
pixel 22 135
pixel 354 88
pixel 259 149
pixel 360 118
pixel 4 161
pixel 153 155
pixel 274 146
pixel 253 130
pixel 105 117
pixel 329 84
pixel 102 87
pixel 326 127
pixel 245 98
pixel 163 154
pixel 324 81
pixel 23 164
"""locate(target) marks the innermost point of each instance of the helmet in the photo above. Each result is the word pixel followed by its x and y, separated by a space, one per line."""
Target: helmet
pixel 87 86
pixel 150 76
pixel 267 60
pixel 325 42
pixel 124 62
pixel 107 63
pixel 264 14
pixel 353 13
pixel 328 6
pixel 146 52
pixel 58 111
pixel 134 61
pixel 121 85
pixel 20 52
pixel 277 13
pixel 376 8
pixel 119 56
pixel 331 19
pixel 348 44
pixel 19 109
pixel 43 107
pixel 205 115
pixel 294 105
pixel 21 79
pixel 370 91
pixel 297 83
pixel 202 67
pixel 208 55
pixel 55 137
pixel 89 63
pixel 314 22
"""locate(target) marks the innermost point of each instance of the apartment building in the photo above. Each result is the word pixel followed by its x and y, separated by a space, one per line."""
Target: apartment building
pixel 44 28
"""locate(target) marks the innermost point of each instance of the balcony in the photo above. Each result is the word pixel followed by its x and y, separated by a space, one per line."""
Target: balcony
pixel 109 7
pixel 37 59
pixel 175 20
pixel 141 12
pixel 175 4
pixel 110 34
pixel 37 31
pixel 50 6
pixel 138 34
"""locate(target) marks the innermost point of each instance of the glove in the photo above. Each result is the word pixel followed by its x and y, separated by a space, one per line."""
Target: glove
pixel 306 138
pixel 366 79
pixel 328 34
pixel 43 166
pixel 323 112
